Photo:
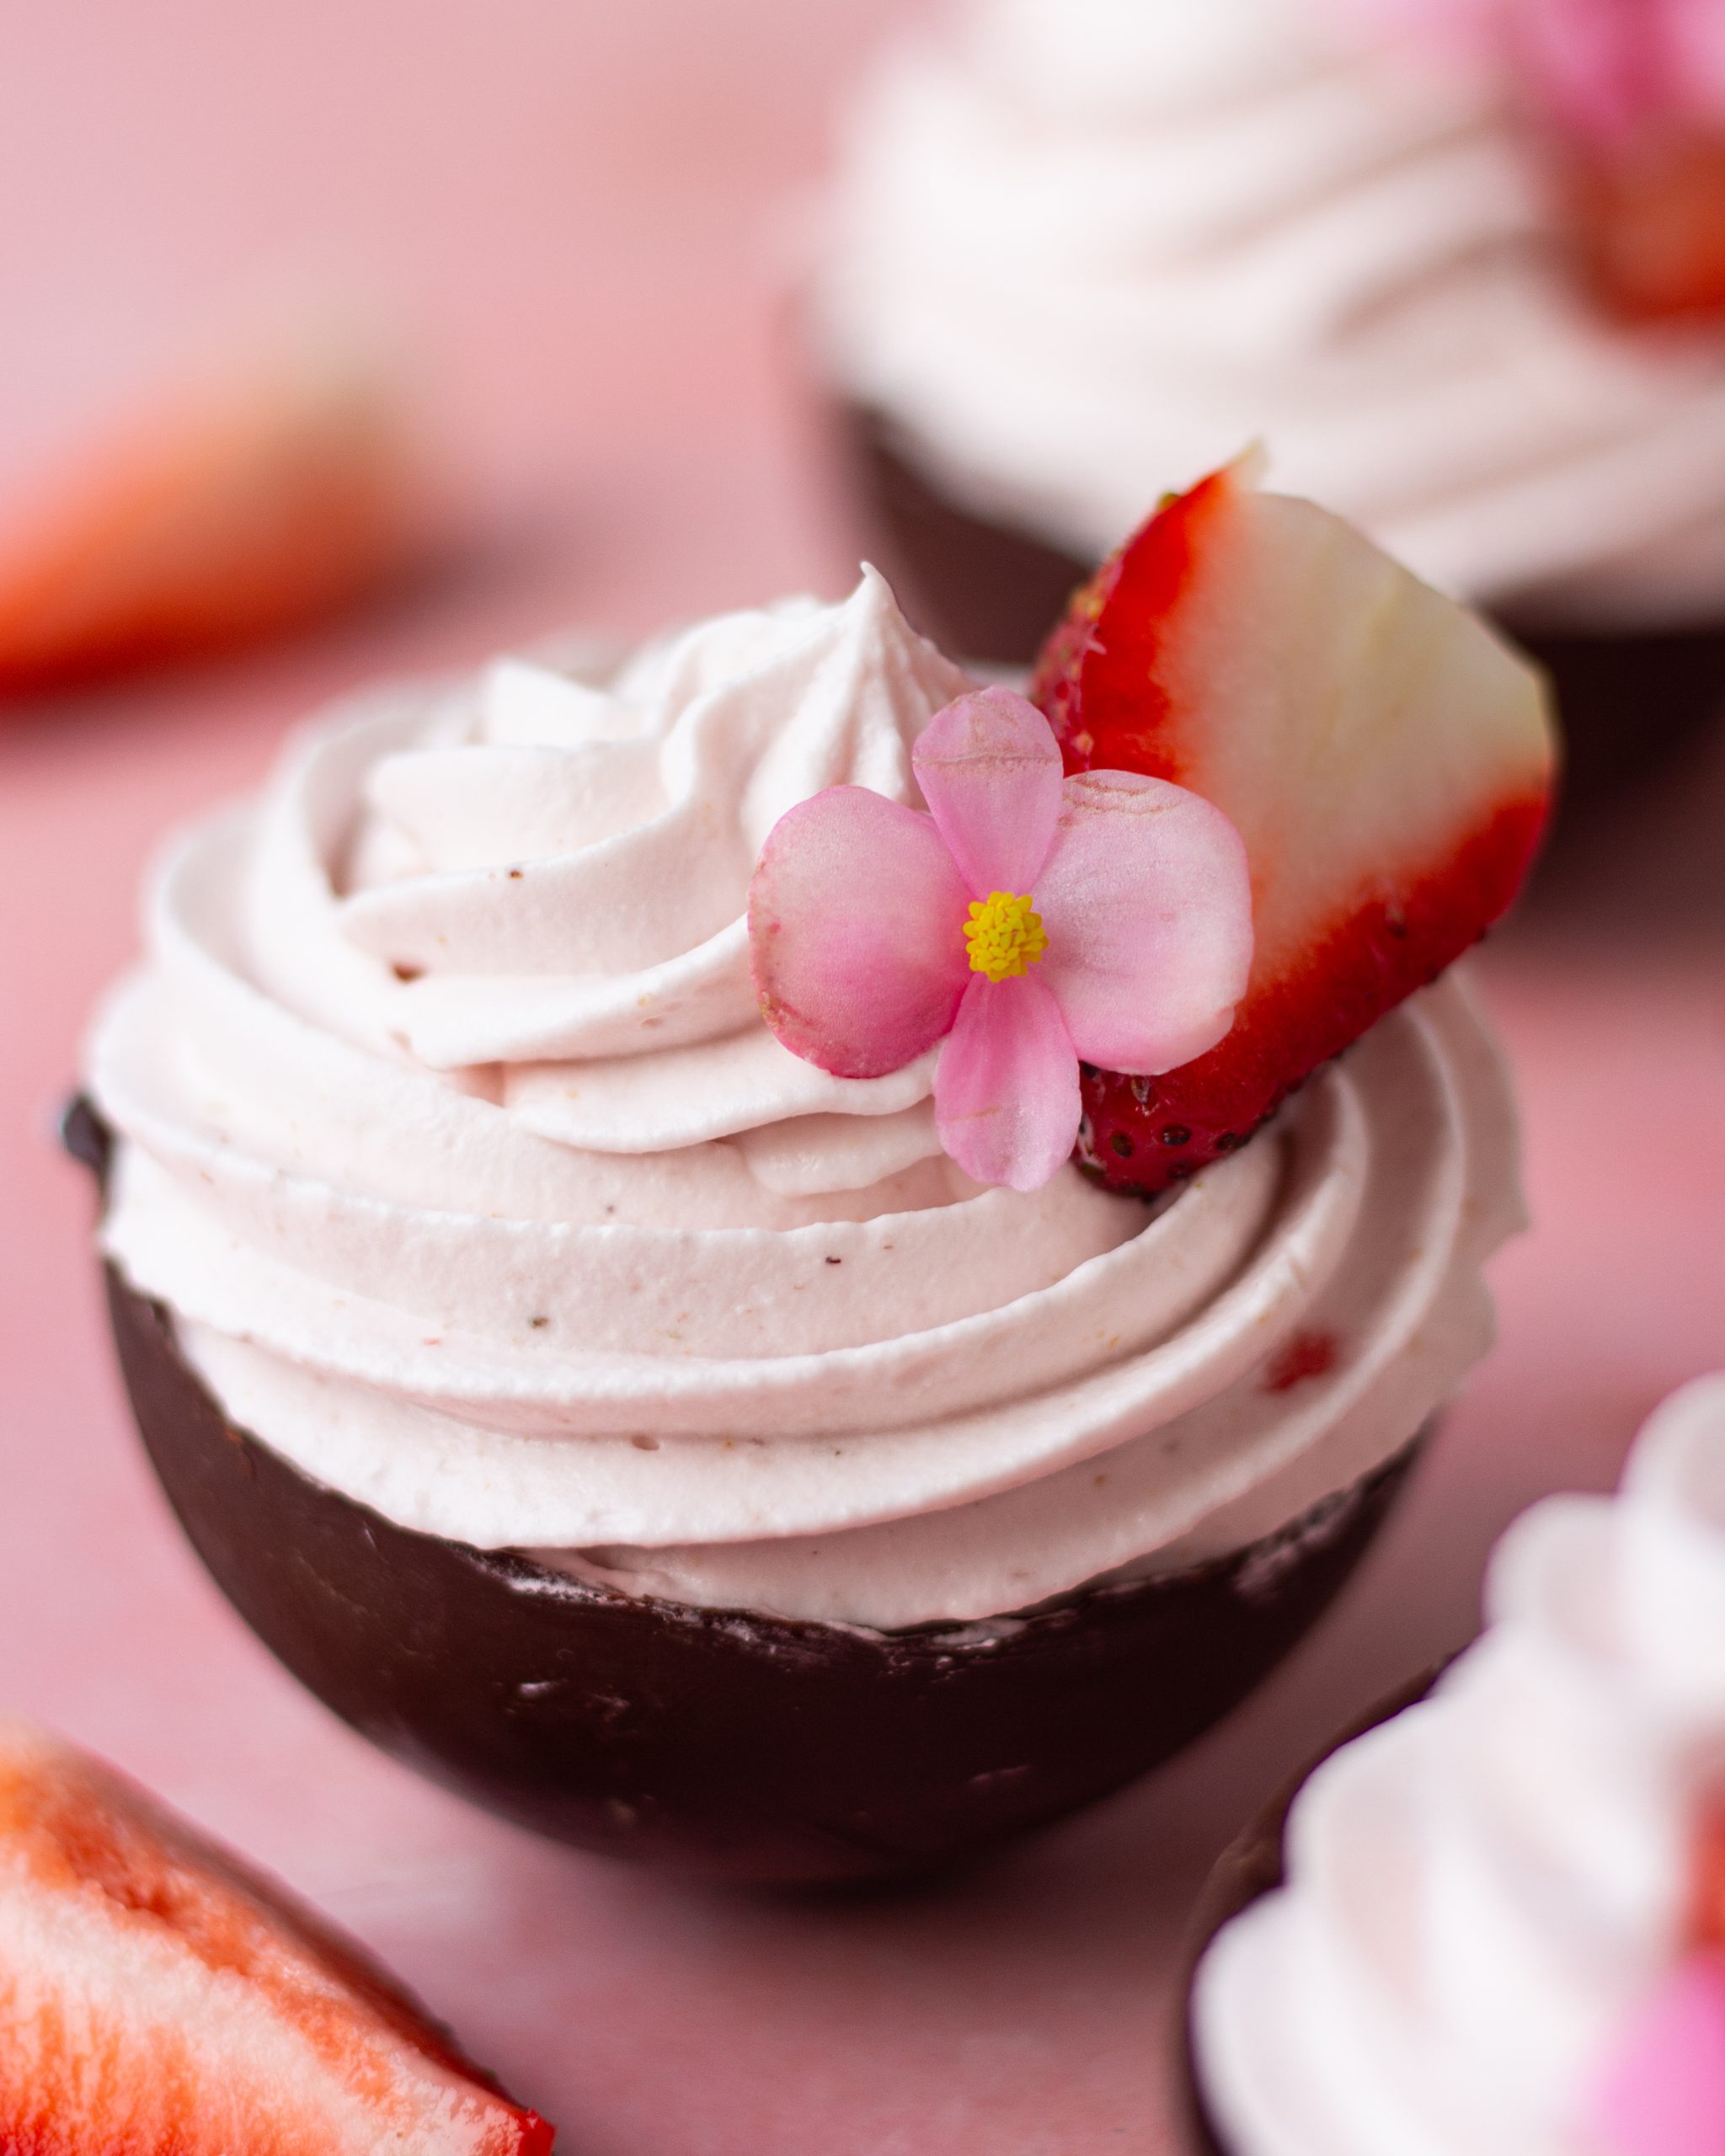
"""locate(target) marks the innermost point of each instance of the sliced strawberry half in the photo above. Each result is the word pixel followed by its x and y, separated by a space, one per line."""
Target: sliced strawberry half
pixel 1707 1912
pixel 156 1995
pixel 282 485
pixel 1649 223
pixel 1386 759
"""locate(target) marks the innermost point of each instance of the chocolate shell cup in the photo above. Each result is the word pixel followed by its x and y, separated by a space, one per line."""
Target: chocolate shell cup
pixel 987 590
pixel 1629 702
pixel 729 1742
pixel 1253 1864
pixel 725 1740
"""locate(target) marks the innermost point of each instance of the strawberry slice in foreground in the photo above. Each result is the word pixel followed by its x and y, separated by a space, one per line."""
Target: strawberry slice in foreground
pixel 157 1996
pixel 1387 761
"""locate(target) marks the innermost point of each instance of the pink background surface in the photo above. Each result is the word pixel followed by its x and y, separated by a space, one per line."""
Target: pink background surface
pixel 579 210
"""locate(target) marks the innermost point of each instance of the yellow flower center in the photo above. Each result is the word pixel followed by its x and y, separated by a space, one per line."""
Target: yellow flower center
pixel 1004 935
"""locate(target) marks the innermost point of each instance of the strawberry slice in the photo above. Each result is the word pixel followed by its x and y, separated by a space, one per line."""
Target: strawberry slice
pixel 1706 1909
pixel 1649 223
pixel 276 488
pixel 156 1995
pixel 1387 761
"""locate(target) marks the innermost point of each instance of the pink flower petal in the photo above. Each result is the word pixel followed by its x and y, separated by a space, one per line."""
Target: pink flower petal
pixel 856 932
pixel 1146 900
pixel 1604 68
pixel 990 769
pixel 1664 2093
pixel 1005 1089
pixel 1696 57
pixel 1583 60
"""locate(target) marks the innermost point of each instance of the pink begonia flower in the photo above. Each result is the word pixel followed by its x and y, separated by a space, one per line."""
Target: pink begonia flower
pixel 1664 2092
pixel 1029 920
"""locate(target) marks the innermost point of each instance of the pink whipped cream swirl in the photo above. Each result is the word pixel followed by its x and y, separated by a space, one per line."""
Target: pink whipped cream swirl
pixel 450 1136
pixel 1489 1895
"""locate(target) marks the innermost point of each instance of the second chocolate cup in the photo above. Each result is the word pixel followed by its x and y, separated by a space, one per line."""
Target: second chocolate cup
pixel 1253 1864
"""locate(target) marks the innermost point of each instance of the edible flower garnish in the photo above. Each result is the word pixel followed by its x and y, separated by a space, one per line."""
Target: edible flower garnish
pixel 1028 921
pixel 1664 2092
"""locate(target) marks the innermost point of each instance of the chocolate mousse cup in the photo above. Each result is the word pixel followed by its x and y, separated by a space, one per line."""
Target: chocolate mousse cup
pixel 724 1742
pixel 1629 701
pixel 659 1438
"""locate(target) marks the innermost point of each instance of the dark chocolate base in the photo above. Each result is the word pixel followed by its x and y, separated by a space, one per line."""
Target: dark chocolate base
pixel 1253 1864
pixel 978 588
pixel 990 591
pixel 721 1740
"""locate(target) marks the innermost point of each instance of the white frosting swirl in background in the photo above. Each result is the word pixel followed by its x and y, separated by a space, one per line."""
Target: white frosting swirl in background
pixel 549 1245
pixel 1083 250
pixel 1484 1889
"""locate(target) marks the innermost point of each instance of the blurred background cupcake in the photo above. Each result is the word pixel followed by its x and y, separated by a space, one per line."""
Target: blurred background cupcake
pixel 1079 252
pixel 1501 1925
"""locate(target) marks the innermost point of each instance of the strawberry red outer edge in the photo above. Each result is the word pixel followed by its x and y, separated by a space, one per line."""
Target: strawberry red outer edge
pixel 1144 1133
pixel 73 1829
pixel 1099 683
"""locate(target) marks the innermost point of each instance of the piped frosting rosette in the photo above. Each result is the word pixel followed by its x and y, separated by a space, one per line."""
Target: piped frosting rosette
pixel 1486 1943
pixel 452 1139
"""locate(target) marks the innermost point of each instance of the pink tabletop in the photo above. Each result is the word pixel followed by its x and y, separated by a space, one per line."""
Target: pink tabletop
pixel 578 209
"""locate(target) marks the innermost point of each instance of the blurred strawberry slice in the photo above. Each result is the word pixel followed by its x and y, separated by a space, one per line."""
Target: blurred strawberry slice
pixel 1386 760
pixel 1706 1910
pixel 156 1995
pixel 275 488
pixel 1630 97
pixel 1649 223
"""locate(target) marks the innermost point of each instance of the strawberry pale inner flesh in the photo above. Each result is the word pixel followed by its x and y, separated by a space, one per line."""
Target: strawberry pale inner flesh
pixel 155 1997
pixel 1256 651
